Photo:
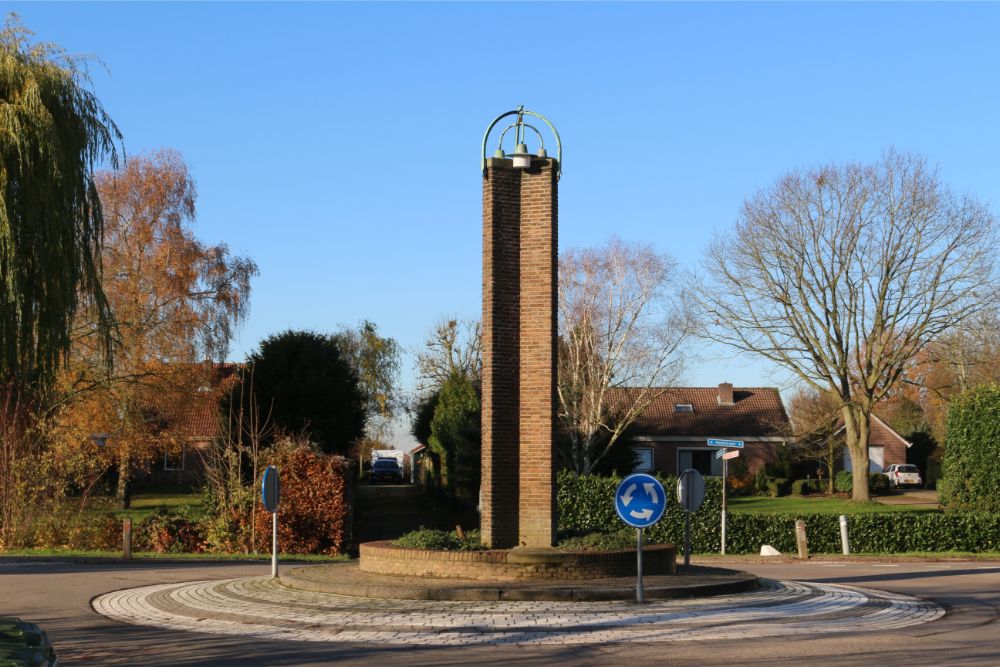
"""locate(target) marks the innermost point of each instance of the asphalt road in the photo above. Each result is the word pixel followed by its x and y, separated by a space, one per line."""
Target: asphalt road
pixel 57 595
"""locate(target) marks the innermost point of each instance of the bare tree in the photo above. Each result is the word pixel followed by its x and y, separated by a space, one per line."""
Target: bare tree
pixel 453 346
pixel 844 273
pixel 815 420
pixel 619 327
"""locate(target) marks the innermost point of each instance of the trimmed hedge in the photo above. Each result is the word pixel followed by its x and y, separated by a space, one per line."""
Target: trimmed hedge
pixel 971 466
pixel 586 505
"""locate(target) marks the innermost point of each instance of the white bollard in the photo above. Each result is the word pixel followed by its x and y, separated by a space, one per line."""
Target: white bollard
pixel 843 535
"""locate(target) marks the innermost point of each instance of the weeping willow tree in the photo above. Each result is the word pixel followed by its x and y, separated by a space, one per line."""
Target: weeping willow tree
pixel 53 134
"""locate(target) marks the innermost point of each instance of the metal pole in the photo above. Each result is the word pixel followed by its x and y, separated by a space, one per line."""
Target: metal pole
pixel 638 566
pixel 725 472
pixel 687 538
pixel 843 535
pixel 274 545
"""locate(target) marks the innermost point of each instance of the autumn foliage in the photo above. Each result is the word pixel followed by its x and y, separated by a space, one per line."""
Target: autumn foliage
pixel 314 509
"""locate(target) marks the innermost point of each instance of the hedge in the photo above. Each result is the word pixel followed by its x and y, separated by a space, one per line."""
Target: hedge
pixel 971 467
pixel 586 505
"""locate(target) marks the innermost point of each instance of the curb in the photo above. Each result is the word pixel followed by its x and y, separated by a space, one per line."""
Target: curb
pixel 732 581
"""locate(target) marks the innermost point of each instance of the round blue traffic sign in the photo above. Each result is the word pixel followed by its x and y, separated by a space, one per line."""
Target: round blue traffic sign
pixel 640 500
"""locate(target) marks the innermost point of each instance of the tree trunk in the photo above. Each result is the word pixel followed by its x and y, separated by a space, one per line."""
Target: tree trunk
pixel 125 480
pixel 857 427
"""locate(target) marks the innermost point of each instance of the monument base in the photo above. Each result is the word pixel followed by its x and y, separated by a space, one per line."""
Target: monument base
pixel 518 564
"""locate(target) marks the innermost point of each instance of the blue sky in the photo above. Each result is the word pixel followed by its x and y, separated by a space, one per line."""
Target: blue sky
pixel 338 144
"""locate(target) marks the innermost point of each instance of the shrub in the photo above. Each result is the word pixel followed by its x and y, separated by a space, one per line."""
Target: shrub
pixel 439 540
pixel 314 507
pixel 971 466
pixel 585 504
pixel 878 483
pixel 168 532
pixel 621 539
pixel 877 532
pixel 843 482
pixel 72 530
pixel 778 487
pixel 801 487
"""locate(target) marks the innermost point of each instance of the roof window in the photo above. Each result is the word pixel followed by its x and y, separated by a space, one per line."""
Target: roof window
pixel 683 407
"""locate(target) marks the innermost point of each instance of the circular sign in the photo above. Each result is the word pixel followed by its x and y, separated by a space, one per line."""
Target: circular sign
pixel 640 500
pixel 690 490
pixel 270 489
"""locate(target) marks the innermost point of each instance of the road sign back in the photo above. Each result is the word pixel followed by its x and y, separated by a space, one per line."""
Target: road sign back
pixel 640 500
pixel 270 489
pixel 690 490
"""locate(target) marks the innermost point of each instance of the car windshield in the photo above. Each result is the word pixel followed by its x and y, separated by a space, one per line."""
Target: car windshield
pixel 908 469
pixel 386 464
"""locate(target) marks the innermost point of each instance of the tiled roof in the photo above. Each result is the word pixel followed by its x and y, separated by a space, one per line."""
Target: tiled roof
pixel 199 415
pixel 755 412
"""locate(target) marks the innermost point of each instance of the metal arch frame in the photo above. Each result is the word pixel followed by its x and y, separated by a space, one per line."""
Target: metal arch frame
pixel 520 111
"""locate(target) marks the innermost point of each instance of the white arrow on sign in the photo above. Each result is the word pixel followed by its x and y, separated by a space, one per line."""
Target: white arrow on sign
pixel 651 492
pixel 627 496
pixel 644 514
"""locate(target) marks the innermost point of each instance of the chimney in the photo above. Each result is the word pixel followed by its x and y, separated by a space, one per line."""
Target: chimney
pixel 725 393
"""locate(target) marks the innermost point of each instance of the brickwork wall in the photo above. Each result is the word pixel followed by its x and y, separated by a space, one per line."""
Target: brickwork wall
pixel 539 259
pixel 520 249
pixel 500 336
pixel 380 557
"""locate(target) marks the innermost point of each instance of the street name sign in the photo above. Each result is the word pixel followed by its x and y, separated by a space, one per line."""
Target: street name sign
pixel 730 455
pixel 732 444
pixel 640 500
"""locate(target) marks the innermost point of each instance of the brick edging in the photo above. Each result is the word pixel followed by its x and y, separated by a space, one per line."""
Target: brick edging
pixel 497 565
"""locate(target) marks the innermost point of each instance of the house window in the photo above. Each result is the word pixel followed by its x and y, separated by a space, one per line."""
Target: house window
pixel 174 459
pixel 683 407
pixel 643 458
pixel 702 460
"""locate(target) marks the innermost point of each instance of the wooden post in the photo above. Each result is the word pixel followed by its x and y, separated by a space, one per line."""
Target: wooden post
pixel 800 538
pixel 127 538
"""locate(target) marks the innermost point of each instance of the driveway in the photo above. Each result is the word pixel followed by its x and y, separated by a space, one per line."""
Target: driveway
pixel 921 497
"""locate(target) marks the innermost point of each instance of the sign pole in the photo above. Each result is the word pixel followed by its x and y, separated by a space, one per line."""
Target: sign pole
pixel 274 545
pixel 638 566
pixel 725 473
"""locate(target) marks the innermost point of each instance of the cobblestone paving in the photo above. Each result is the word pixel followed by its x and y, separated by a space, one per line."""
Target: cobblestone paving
pixel 262 608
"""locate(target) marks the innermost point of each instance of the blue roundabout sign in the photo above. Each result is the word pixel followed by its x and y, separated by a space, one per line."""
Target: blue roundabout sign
pixel 640 500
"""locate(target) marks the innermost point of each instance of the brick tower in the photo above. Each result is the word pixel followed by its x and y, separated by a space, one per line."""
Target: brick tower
pixel 519 347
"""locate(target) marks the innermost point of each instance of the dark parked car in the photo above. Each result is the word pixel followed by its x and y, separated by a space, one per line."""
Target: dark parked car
pixel 386 470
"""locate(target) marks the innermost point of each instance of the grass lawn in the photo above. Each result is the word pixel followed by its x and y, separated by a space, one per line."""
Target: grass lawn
pixel 144 504
pixel 815 505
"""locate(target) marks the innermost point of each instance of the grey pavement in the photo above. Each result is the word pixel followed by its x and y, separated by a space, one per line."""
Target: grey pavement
pixel 59 596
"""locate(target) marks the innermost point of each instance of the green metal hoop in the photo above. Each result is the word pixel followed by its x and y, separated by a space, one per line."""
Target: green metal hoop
pixel 519 126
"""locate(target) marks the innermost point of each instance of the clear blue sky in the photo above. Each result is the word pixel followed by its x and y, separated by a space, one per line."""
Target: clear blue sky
pixel 338 144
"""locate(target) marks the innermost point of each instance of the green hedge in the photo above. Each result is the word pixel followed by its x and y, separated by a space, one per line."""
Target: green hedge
pixel 586 505
pixel 971 466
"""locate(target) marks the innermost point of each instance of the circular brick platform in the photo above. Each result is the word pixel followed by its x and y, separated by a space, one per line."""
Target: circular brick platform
pixel 519 564
pixel 262 608
pixel 348 579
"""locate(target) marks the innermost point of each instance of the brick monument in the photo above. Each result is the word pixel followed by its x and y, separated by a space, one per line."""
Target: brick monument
pixel 520 252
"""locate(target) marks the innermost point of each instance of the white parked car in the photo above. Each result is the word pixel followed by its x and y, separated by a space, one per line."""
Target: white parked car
pixel 903 474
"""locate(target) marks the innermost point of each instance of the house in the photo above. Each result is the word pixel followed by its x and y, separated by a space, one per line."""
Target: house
pixel 885 447
pixel 672 434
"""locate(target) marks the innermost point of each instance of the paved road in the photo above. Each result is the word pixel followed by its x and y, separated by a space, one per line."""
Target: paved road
pixel 58 595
